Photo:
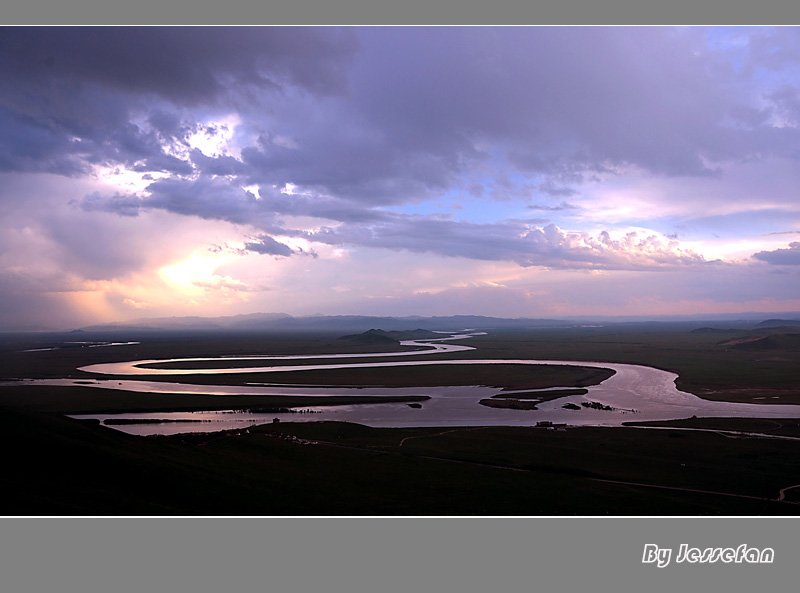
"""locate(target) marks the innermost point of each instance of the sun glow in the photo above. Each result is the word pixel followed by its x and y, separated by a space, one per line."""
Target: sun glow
pixel 215 138
pixel 122 179
pixel 197 273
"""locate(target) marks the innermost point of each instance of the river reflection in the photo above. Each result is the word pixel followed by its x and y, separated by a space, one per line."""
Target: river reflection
pixel 633 393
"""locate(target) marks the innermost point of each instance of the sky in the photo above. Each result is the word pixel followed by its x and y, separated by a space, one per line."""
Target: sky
pixel 510 172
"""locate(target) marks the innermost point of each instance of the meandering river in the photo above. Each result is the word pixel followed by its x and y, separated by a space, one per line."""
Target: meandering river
pixel 634 392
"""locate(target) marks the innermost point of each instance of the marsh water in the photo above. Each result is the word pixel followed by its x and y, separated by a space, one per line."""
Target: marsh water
pixel 634 392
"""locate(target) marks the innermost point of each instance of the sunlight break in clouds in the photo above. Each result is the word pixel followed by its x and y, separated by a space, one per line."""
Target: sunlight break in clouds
pixel 388 170
pixel 196 276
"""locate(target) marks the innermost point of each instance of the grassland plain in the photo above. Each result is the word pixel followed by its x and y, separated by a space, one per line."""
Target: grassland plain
pixel 66 467
pixel 61 466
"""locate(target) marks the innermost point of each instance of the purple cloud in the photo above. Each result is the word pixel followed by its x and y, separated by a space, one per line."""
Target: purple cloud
pixel 781 257
pixel 416 143
pixel 266 245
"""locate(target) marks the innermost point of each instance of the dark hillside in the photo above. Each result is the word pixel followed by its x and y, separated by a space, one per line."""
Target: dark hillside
pixel 789 342
pixel 372 336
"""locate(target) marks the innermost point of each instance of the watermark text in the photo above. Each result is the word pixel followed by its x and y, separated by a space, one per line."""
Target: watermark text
pixel 742 554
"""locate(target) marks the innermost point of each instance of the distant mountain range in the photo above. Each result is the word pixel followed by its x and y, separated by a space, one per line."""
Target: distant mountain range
pixel 332 323
pixel 355 324
pixel 779 323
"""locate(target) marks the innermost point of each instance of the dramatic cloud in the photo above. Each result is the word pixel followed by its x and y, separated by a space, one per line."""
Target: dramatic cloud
pixel 548 246
pixel 192 65
pixel 76 97
pixel 154 167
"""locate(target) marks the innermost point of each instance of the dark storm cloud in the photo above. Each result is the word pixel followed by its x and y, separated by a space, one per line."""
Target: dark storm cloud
pixel 220 165
pixel 192 65
pixel 209 198
pixel 169 125
pixel 72 95
pixel 781 257
pixel 337 158
pixel 219 198
pixel 26 146
pixel 325 207
pixel 426 107
pixel 357 120
pixel 402 118
pixel 223 198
